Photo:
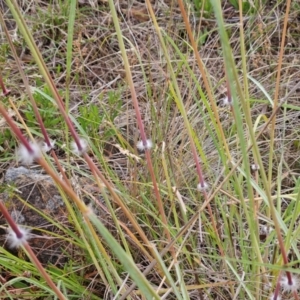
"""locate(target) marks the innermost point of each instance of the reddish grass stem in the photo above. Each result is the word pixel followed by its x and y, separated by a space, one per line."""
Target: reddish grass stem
pixel 16 130
pixel 277 289
pixel 10 221
pixel 5 91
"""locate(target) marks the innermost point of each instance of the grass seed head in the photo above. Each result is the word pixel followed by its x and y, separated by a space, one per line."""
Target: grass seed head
pixel 15 242
pixel 140 145
pixel 46 148
pixel 290 286
pixel 227 101
pixel 254 167
pixel 28 157
pixel 76 150
pixel 202 186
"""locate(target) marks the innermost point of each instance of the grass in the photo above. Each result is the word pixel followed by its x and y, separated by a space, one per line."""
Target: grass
pixel 210 211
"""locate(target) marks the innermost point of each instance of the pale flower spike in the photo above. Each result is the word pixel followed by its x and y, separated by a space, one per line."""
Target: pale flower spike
pixel 227 101
pixel 284 282
pixel 83 144
pixel 46 148
pixel 202 187
pixel 15 242
pixel 26 157
pixel 140 145
pixel 254 167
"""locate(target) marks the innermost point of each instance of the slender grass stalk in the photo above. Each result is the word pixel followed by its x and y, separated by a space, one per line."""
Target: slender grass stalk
pixel 276 96
pixel 71 23
pixel 256 272
pixel 277 86
pixel 276 296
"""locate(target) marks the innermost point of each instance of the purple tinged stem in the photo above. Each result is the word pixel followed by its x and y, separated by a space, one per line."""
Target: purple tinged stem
pixel 16 130
pixel 10 221
pixel 6 92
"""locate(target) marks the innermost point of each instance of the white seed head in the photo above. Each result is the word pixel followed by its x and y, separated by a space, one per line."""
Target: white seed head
pixel 83 144
pixel 26 157
pixel 202 187
pixel 140 145
pixel 272 297
pixel 15 242
pixel 227 101
pixel 264 229
pixel 46 148
pixel 254 167
pixel 293 287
